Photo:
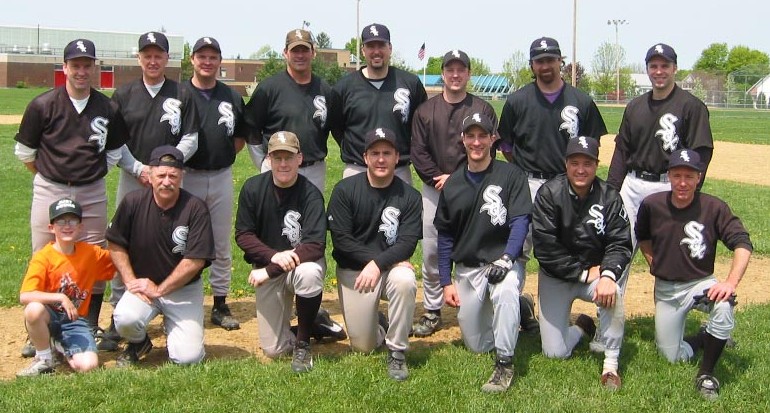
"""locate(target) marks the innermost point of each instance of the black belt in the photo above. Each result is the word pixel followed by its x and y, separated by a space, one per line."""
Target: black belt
pixel 398 165
pixel 650 176
pixel 541 175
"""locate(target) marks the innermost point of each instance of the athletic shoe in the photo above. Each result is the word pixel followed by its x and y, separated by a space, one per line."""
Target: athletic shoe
pixel 396 362
pixel 221 316
pixel 38 367
pixel 428 324
pixel 107 340
pixel 302 359
pixel 324 326
pixel 611 381
pixel 529 323
pixel 708 386
pixel 586 324
pixel 133 352
pixel 28 350
pixel 501 377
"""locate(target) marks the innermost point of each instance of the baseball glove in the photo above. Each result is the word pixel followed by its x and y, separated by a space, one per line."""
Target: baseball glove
pixel 702 302
pixel 497 270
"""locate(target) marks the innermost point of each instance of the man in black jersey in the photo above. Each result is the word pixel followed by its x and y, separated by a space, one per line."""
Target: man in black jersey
pixel 281 228
pixel 377 96
pixel 66 140
pixel 678 231
pixel 209 174
pixel 293 100
pixel 375 220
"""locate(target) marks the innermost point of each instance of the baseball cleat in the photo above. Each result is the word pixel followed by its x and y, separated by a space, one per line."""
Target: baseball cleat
pixel 221 316
pixel 396 362
pixel 707 386
pixel 323 327
pixel 428 324
pixel 586 324
pixel 529 323
pixel 611 381
pixel 502 376
pixel 133 352
pixel 38 367
pixel 302 358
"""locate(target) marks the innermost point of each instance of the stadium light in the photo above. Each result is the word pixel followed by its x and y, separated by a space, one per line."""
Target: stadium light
pixel 616 23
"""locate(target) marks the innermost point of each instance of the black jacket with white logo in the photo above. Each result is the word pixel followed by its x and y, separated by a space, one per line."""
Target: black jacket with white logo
pixel 571 235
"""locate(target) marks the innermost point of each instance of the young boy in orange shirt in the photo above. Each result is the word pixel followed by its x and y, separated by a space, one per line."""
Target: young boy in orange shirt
pixel 56 292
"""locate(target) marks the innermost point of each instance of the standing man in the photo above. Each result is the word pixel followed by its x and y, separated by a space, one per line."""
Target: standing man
pixel 294 100
pixel 65 139
pixel 437 150
pixel 482 219
pixel 582 241
pixel 678 232
pixel 209 173
pixel 374 219
pixel 536 123
pixel 377 96
pixel 281 228
pixel 160 240
pixel 153 111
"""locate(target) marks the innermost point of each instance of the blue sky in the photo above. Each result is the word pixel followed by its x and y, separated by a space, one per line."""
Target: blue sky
pixel 490 30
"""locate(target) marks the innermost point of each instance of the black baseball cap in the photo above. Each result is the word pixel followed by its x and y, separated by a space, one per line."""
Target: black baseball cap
pixel 80 48
pixel 458 55
pixel 583 145
pixel 157 39
pixel 167 155
pixel 663 50
pixel 62 207
pixel 544 47
pixel 478 119
pixel 380 134
pixel 375 32
pixel 207 42
pixel 685 157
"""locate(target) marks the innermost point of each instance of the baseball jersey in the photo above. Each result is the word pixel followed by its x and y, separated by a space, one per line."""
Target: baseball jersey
pixel 71 146
pixel 220 112
pixel 379 224
pixel 272 219
pixel 146 122
pixel 157 240
pixel 652 129
pixel 477 216
pixel 684 240
pixel 539 130
pixel 571 235
pixel 437 143
pixel 359 107
pixel 281 104
pixel 73 275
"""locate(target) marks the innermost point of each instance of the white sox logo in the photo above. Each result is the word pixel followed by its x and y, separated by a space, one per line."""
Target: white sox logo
pixel 179 237
pixel 598 218
pixel 543 44
pixel 694 240
pixel 476 117
pixel 81 46
pixel 298 34
pixel 569 116
pixel 456 53
pixel 151 37
pixel 228 118
pixel 401 96
pixel 99 128
pixel 493 205
pixel 173 114
pixel 667 132
pixel 292 228
pixel 319 102
pixel 389 226
pixel 207 40
pixel 373 30
pixel 583 142
pixel 659 49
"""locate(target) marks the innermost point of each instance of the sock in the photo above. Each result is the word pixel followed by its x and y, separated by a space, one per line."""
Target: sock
pixel 44 354
pixel 307 309
pixel 94 309
pixel 610 360
pixel 219 300
pixel 436 312
pixel 712 350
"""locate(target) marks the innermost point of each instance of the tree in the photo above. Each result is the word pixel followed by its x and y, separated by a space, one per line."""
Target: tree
pixel 262 52
pixel 331 72
pixel 604 78
pixel 323 41
pixel 479 67
pixel 397 61
pixel 187 69
pixel 351 46
pixel 583 82
pixel 273 65
pixel 741 57
pixel 713 59
pixel 434 65
pixel 516 70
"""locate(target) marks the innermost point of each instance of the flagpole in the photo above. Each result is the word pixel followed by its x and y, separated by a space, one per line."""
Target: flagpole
pixel 424 64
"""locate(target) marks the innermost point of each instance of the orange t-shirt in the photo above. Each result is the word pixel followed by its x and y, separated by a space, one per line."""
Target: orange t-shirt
pixel 74 275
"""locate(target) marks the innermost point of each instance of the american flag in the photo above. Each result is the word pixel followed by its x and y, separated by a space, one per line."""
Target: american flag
pixel 421 52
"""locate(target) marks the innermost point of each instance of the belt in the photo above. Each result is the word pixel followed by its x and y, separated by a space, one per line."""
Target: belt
pixel 541 175
pixel 398 165
pixel 650 176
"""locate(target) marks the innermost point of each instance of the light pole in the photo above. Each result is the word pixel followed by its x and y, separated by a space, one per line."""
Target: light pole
pixel 574 43
pixel 358 34
pixel 616 23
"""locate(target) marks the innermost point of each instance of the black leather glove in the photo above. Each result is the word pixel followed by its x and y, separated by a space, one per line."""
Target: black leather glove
pixel 703 303
pixel 496 271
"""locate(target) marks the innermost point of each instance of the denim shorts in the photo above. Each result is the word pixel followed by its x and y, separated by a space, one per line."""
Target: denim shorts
pixel 74 336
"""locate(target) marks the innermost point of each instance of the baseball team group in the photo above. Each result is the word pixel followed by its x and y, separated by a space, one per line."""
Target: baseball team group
pixel 480 218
